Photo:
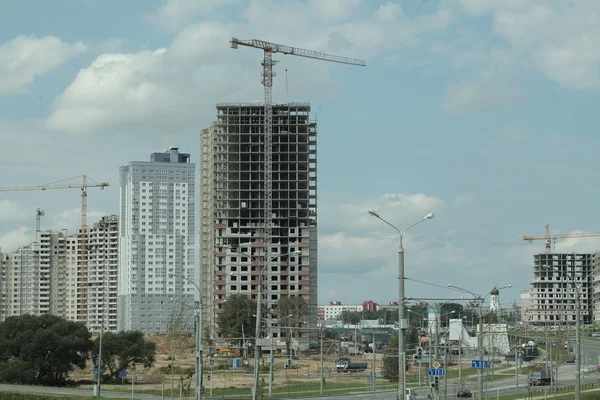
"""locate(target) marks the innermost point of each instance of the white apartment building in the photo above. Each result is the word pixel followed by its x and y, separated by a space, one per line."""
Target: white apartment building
pixel 233 210
pixel 35 277
pixel 156 241
pixel 552 296
pixel 335 309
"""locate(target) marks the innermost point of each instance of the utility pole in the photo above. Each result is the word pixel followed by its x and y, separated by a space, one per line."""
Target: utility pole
pixel 100 359
pixel 374 359
pixel 321 377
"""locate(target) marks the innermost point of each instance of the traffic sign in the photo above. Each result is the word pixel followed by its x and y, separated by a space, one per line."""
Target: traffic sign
pixel 480 364
pixel 436 365
pixel 436 372
pixel 212 362
pixel 123 374
pixel 95 371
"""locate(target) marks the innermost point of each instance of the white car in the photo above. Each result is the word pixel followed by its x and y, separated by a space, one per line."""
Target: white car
pixel 595 334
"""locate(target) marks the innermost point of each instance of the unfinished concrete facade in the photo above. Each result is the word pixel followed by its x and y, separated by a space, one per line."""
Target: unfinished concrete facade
pixel 552 296
pixel 232 210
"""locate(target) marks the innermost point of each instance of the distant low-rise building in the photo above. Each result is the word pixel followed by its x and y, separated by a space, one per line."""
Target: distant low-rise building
pixel 335 308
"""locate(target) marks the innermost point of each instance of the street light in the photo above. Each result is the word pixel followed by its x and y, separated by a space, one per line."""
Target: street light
pixel 198 321
pixel 402 323
pixel 577 328
pixel 258 313
pixel 480 299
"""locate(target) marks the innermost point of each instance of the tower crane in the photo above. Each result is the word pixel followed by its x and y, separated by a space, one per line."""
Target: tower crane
pixel 268 63
pixel 82 294
pixel 550 238
pixel 38 214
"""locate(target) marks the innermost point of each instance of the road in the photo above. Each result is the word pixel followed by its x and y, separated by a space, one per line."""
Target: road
pixel 566 377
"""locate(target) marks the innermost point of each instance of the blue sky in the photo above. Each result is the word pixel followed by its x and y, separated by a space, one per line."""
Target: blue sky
pixel 482 111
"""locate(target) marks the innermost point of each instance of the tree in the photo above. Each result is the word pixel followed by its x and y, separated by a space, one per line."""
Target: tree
pixel 390 357
pixel 238 318
pixel 42 350
pixel 123 350
pixel 390 360
pixel 350 317
pixel 292 310
pixel 450 311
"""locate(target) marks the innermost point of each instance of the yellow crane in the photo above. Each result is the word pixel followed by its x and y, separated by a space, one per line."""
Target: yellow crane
pixel 82 293
pixel 550 238
pixel 268 64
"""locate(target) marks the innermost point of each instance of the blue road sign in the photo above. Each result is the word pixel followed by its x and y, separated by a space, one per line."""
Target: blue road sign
pixel 480 364
pixel 436 372
pixel 212 362
pixel 95 371
pixel 123 374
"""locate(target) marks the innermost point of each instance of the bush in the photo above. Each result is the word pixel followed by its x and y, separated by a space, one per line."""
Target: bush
pixel 16 371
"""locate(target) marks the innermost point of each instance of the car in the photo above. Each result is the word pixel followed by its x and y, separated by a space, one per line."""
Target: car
pixel 464 394
pixel 595 334
pixel 496 361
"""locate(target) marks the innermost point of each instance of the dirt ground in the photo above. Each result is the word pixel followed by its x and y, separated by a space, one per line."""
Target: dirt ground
pixel 304 369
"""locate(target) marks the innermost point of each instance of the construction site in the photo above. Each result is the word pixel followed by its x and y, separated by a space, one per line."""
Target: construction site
pixel 233 208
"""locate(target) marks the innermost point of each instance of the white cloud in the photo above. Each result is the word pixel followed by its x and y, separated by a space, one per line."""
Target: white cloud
pixel 71 220
pixel 176 13
pixel 11 211
pixel 560 38
pixel 27 57
pixel 470 96
pixel 12 240
pixel 463 199
pixel 174 89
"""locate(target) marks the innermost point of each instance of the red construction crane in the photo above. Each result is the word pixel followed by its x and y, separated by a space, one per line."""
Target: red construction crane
pixel 82 293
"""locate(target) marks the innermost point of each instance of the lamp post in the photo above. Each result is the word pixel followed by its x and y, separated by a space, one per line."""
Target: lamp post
pixel 100 359
pixel 402 323
pixel 479 299
pixel 199 345
pixel 258 320
pixel 577 328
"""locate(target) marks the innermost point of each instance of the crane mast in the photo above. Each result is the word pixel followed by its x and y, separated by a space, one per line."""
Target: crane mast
pixel 268 63
pixel 38 214
pixel 82 257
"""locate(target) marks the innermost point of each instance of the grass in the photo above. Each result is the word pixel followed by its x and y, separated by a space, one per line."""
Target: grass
pixel 40 396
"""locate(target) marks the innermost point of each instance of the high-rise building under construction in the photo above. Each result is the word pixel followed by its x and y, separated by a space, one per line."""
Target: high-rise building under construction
pixel 232 212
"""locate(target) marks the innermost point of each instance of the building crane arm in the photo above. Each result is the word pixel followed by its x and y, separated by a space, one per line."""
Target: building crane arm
pixel 563 236
pixel 294 51
pixel 50 187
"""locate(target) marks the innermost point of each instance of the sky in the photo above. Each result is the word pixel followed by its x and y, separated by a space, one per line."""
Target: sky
pixel 480 111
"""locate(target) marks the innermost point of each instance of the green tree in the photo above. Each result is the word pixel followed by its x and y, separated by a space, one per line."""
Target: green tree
pixel 490 318
pixel 390 356
pixel 124 350
pixel 42 350
pixel 292 310
pixel 350 317
pixel 238 318
pixel 390 360
pixel 450 311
